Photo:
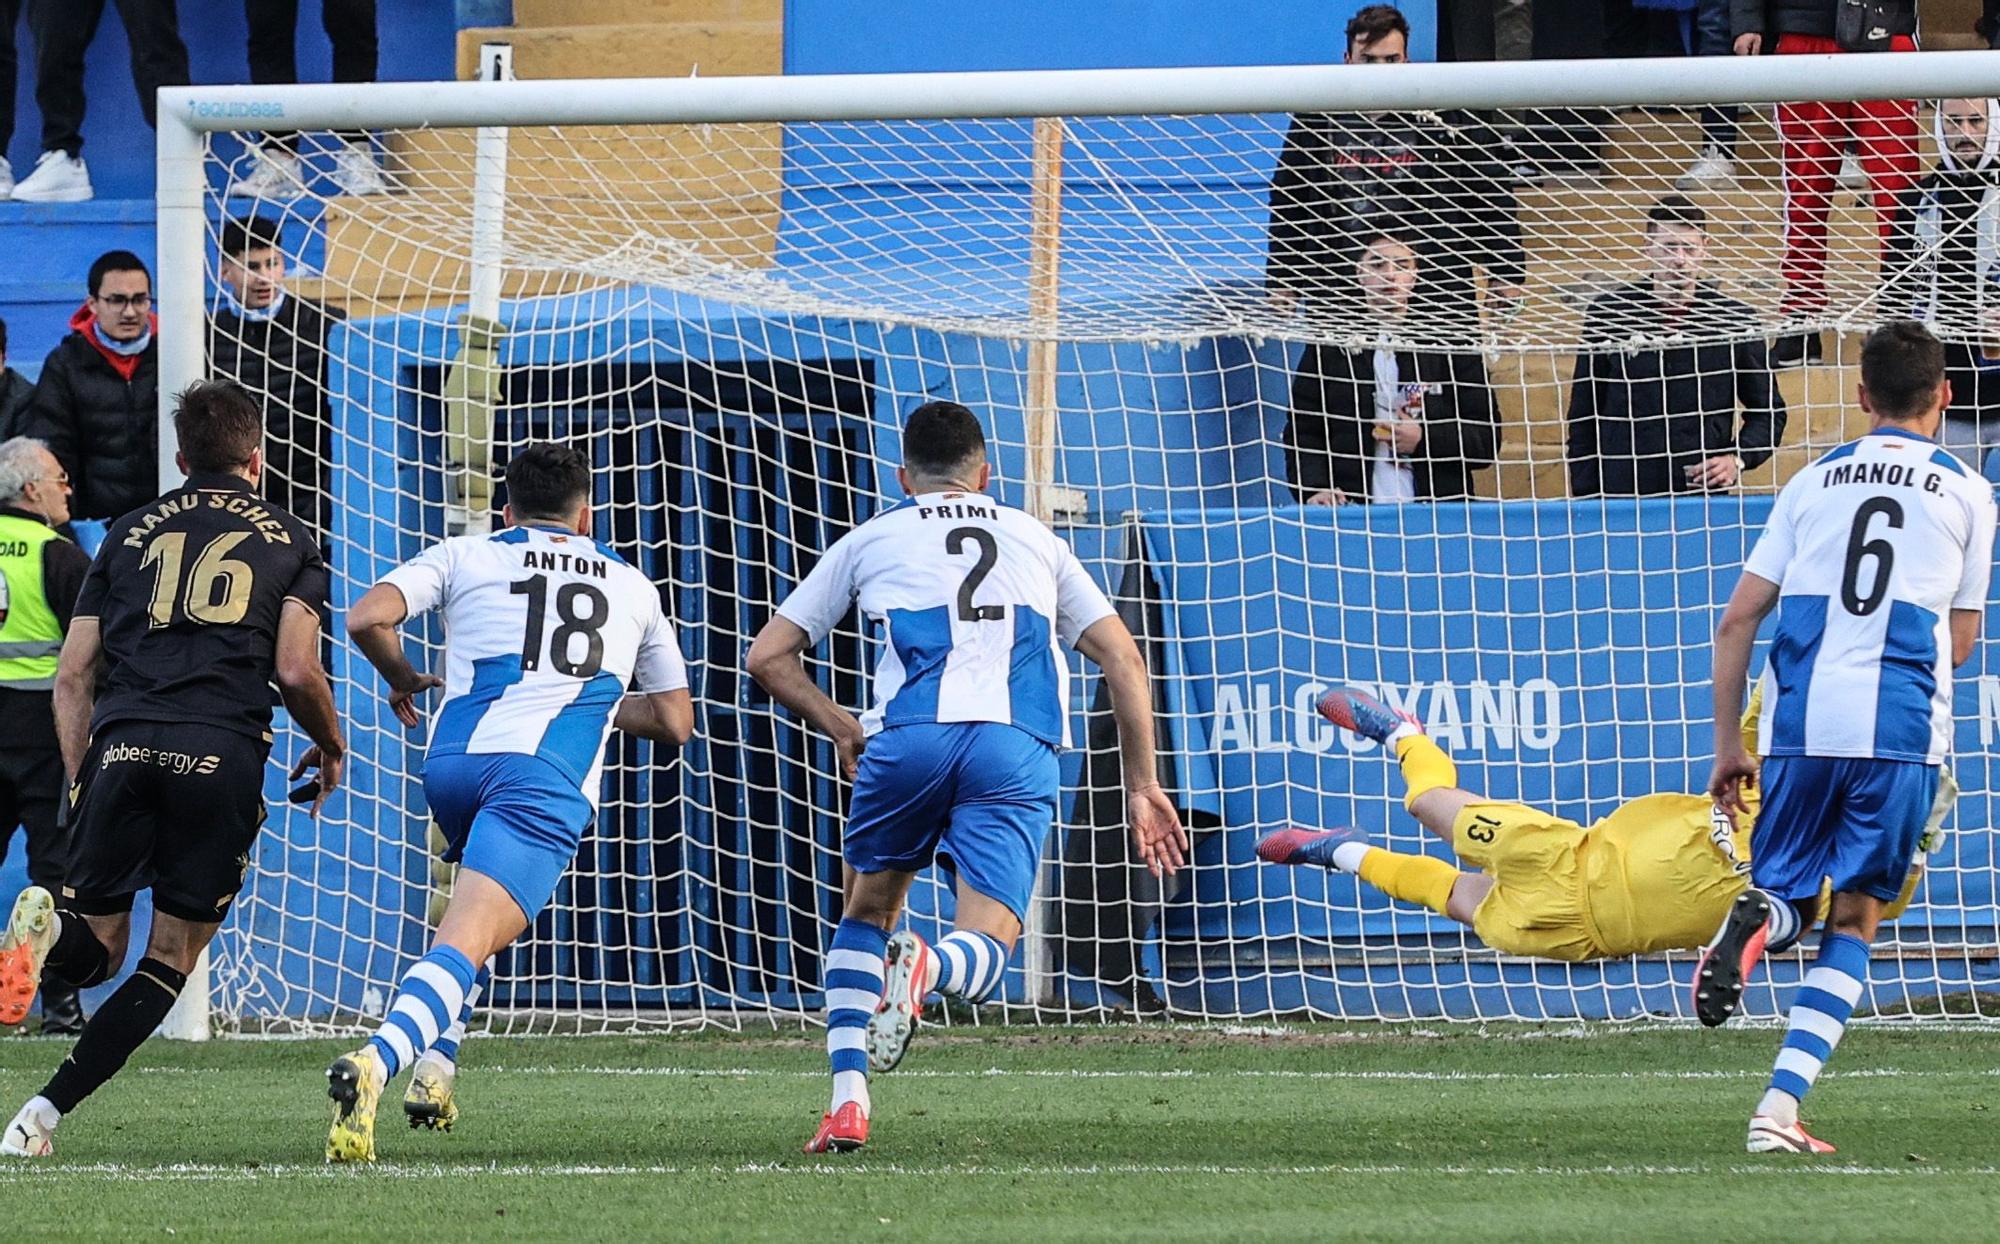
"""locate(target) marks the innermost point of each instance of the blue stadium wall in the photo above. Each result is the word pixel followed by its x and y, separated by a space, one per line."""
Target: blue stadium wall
pixel 1543 640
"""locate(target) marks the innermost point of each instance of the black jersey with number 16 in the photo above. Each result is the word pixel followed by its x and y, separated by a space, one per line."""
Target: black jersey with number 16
pixel 187 593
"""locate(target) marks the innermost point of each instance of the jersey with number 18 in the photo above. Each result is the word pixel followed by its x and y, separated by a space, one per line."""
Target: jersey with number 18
pixel 1871 547
pixel 545 631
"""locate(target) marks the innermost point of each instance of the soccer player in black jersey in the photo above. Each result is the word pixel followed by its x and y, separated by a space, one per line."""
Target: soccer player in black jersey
pixel 193 607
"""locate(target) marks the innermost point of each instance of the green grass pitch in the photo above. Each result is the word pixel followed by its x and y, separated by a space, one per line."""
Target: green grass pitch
pixel 1303 1132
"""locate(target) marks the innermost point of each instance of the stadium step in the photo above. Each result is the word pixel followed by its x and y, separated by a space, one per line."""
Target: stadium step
pixel 646 50
pixel 540 13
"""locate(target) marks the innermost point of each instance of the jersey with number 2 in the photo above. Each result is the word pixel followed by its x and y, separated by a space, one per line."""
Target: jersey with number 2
pixel 545 631
pixel 1871 547
pixel 973 597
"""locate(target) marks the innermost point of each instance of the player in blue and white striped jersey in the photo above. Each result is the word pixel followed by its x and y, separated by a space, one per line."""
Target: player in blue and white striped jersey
pixel 551 640
pixel 1877 559
pixel 955 758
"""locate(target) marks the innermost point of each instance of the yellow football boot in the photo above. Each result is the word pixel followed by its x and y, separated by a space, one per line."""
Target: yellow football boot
pixel 354 1082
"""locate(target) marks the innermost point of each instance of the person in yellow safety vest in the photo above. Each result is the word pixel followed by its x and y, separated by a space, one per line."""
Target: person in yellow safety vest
pixel 40 574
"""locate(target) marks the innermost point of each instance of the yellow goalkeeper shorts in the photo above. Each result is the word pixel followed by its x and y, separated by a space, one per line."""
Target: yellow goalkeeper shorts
pixel 1536 904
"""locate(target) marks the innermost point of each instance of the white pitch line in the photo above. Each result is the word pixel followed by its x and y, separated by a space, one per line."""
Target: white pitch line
pixel 1180 1073
pixel 42 1172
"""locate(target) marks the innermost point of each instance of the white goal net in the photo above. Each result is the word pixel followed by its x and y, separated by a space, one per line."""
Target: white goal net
pixel 1186 331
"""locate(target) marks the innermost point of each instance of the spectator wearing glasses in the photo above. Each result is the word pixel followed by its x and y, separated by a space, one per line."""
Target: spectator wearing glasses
pixel 40 576
pixel 97 405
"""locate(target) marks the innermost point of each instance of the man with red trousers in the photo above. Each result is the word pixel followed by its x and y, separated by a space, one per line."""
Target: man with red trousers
pixel 1884 133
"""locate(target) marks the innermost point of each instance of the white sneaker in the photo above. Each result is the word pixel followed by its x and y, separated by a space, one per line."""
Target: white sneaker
pixel 356 173
pixel 1852 175
pixel 59 177
pixel 28 1136
pixel 274 174
pixel 6 179
pixel 1712 170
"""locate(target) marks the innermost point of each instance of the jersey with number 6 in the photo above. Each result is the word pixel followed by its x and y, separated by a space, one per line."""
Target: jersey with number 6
pixel 1871 547
pixel 974 597
pixel 545 631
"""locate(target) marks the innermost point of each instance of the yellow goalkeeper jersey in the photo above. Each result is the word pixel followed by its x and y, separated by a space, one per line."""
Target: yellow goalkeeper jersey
pixel 1660 873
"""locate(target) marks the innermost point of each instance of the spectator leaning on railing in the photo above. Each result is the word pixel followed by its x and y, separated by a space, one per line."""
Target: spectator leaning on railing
pixel 1665 363
pixel 96 407
pixel 1440 174
pixel 1388 424
pixel 1884 133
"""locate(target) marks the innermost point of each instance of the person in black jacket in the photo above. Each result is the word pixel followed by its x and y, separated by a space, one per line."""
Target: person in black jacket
pixel 1665 363
pixel 1388 424
pixel 16 392
pixel 1947 227
pixel 97 405
pixel 1441 174
pixel 1971 428
pixel 273 343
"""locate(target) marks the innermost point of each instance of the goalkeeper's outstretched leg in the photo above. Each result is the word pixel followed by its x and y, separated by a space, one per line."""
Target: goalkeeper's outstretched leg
pixel 1433 796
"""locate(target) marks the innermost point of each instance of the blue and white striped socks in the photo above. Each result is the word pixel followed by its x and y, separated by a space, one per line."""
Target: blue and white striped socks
pixel 446 1046
pixel 429 999
pixel 970 964
pixel 1783 928
pixel 1819 1017
pixel 853 991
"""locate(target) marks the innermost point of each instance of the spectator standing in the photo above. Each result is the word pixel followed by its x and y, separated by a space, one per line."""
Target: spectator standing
pixel 1665 365
pixel 97 405
pixel 273 343
pixel 10 19
pixel 63 30
pixel 40 575
pixel 276 172
pixel 16 392
pixel 1946 231
pixel 1813 135
pixel 1941 268
pixel 1388 424
pixel 1715 167
pixel 1440 174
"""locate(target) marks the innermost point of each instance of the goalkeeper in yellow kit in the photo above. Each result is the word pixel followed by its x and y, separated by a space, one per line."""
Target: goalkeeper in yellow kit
pixel 1662 872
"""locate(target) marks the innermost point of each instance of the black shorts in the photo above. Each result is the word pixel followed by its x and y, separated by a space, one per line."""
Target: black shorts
pixel 170 808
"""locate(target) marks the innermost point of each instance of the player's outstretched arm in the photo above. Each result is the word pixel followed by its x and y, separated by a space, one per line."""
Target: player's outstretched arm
pixel 76 692
pixel 1156 827
pixel 371 624
pixel 309 698
pixel 1748 605
pixel 663 716
pixel 775 662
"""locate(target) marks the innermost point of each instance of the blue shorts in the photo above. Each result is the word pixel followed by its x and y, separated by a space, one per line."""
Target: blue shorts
pixel 979 797
pixel 514 818
pixel 1854 820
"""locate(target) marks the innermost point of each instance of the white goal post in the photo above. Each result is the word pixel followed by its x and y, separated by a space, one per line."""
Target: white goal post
pixel 731 288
